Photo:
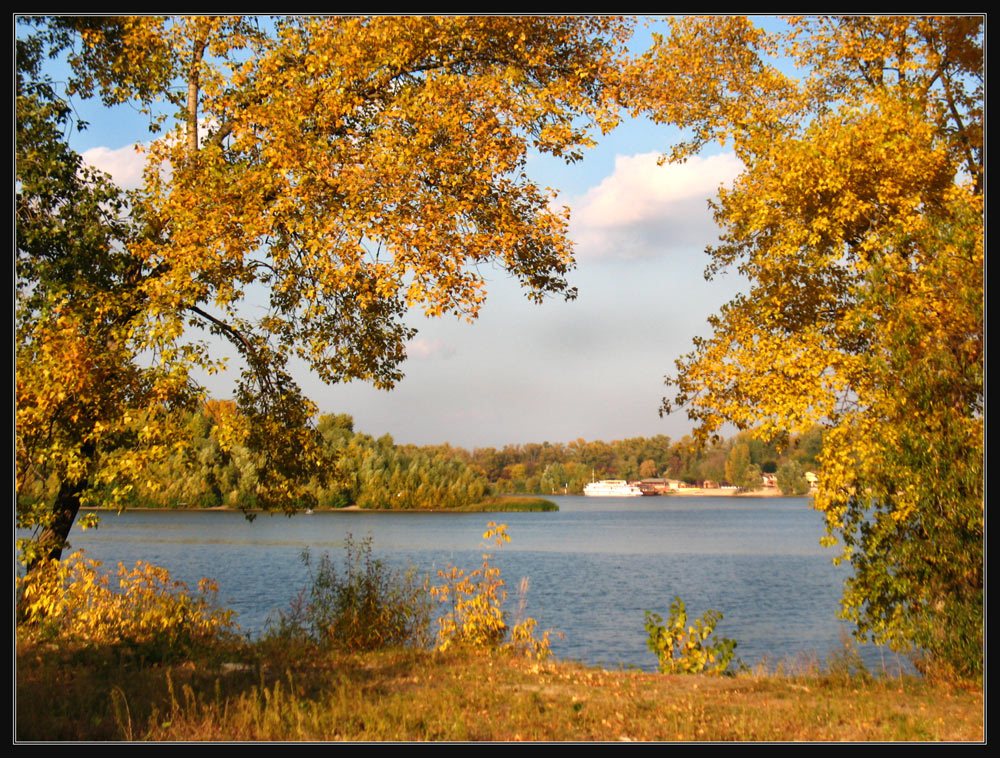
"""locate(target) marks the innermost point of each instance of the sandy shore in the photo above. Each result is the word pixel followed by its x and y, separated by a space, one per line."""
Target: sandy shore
pixel 724 492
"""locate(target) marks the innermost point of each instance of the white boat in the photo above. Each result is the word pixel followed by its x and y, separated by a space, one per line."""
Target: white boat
pixel 612 488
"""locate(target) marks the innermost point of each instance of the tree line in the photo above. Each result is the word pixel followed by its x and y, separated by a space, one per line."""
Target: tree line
pixel 375 472
pixel 554 468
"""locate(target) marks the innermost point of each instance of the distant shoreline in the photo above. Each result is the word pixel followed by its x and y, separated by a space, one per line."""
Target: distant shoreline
pixel 686 492
pixel 231 509
pixel 304 512
pixel 720 492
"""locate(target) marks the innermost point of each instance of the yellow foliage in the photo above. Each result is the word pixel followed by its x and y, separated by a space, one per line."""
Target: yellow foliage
pixel 477 618
pixel 73 599
pixel 858 222
pixel 323 175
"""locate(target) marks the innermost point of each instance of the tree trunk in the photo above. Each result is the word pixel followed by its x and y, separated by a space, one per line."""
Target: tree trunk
pixel 52 540
pixel 194 84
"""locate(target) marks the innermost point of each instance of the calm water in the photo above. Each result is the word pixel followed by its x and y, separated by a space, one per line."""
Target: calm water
pixel 595 566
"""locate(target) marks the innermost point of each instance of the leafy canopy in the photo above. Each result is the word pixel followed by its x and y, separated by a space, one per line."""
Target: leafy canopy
pixel 314 179
pixel 858 221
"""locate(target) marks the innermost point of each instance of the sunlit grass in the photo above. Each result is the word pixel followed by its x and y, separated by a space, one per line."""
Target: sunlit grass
pixel 409 694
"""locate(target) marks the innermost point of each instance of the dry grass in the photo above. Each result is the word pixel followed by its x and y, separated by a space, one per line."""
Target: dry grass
pixel 417 695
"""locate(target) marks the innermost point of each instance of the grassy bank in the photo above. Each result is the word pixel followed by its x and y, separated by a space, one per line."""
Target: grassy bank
pixel 409 694
pixel 501 503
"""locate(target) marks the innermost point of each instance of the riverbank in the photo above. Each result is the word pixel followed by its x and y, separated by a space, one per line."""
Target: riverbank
pixel 497 504
pixel 726 492
pixel 711 492
pixel 456 696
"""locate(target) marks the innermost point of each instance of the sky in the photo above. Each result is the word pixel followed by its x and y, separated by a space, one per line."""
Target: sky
pixel 592 368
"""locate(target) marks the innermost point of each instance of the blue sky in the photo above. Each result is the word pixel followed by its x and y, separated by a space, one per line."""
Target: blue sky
pixel 590 368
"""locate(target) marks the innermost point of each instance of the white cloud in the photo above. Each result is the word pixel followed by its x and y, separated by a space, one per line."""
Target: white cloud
pixel 426 349
pixel 125 164
pixel 643 210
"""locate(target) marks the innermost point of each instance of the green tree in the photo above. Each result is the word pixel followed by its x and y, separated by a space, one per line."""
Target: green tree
pixel 740 471
pixel 807 447
pixel 348 167
pixel 858 221
pixel 791 479
pixel 910 509
pixel 712 464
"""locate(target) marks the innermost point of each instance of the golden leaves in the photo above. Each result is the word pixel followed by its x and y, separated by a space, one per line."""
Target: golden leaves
pixel 823 197
pixel 858 221
pixel 380 159
pixel 75 601
pixel 477 618
pixel 323 175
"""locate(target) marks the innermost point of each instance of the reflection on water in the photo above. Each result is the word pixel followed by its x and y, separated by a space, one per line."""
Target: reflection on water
pixel 595 566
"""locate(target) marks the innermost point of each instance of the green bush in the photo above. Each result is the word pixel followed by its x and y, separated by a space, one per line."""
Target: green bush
pixel 791 480
pixel 683 651
pixel 366 606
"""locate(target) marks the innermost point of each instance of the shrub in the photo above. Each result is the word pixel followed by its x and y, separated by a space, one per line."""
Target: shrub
pixel 71 599
pixel 681 652
pixel 366 607
pixel 477 618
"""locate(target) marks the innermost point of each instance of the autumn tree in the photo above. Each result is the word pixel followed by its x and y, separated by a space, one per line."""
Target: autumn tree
pixel 81 395
pixel 739 470
pixel 332 173
pixel 791 480
pixel 858 222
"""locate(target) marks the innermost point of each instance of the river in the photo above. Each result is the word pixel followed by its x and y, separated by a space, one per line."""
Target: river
pixel 595 566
